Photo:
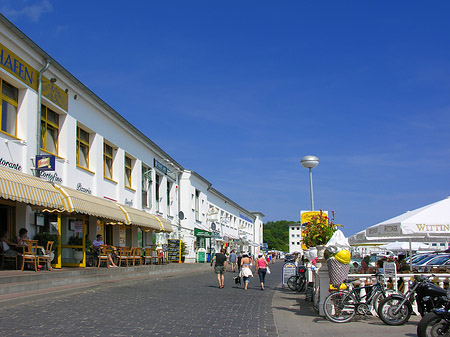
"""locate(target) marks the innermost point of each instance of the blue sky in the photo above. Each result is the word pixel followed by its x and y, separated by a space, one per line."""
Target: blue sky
pixel 240 91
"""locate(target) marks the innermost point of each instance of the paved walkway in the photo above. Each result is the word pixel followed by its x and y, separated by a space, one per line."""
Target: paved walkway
pixel 183 304
pixel 295 317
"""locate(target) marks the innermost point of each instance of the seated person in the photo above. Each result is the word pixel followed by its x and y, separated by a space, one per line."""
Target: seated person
pixel 23 235
pixel 98 243
pixel 365 268
pixel 6 246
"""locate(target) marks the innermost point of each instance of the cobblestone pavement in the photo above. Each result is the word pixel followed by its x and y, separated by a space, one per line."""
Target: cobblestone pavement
pixel 182 305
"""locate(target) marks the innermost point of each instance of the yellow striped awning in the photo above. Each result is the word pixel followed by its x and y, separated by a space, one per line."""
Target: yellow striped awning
pixel 140 218
pixel 76 201
pixel 31 190
pixel 165 225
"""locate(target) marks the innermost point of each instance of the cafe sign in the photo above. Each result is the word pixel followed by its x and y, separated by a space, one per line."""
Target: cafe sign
pixel 201 232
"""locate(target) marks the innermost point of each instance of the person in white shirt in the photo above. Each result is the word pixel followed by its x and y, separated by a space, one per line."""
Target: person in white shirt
pixel 6 246
pixel 98 243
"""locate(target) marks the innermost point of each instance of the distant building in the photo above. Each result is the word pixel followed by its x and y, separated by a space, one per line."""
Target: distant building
pixel 295 238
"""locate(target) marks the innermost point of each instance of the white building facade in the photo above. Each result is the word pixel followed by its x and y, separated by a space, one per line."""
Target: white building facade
pixel 295 237
pixel 105 176
pixel 210 221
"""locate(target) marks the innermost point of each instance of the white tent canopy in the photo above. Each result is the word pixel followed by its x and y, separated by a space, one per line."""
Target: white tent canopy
pixel 429 221
pixel 398 246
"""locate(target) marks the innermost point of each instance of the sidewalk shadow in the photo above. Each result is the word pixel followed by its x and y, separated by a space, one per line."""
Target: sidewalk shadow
pixel 300 306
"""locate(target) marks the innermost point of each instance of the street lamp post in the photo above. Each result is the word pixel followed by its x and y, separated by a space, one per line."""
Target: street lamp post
pixel 310 162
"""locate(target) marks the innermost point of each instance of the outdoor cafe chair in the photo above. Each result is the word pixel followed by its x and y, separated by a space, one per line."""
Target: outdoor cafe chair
pixel 124 255
pixel 30 248
pixel 148 255
pixel 47 257
pixel 7 258
pixel 136 252
pixel 103 255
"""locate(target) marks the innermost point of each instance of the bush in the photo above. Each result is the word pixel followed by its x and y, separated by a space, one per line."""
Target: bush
pixel 45 237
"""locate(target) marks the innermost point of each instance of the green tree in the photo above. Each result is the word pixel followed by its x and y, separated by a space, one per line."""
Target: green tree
pixel 276 234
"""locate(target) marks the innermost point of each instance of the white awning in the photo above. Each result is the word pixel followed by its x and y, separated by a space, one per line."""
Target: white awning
pixel 31 190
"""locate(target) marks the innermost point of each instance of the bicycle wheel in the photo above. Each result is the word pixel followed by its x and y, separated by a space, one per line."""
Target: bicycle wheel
pixel 379 296
pixel 301 284
pixel 340 306
pixel 292 283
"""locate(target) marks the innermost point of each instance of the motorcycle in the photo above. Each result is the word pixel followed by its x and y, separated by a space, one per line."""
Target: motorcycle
pixel 397 309
pixel 436 322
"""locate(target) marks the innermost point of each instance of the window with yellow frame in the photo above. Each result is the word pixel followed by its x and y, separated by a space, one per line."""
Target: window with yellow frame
pixel 49 130
pixel 128 171
pixel 82 148
pixel 9 97
pixel 107 161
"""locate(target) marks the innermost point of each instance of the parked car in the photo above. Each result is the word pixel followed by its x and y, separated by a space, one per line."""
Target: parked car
pixel 425 260
pixel 289 258
pixel 437 261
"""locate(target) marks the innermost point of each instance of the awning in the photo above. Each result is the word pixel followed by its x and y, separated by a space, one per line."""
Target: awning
pixel 164 224
pixel 76 201
pixel 26 188
pixel 141 218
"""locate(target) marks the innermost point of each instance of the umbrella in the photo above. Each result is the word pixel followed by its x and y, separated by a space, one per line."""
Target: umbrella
pixel 429 221
pixel 396 246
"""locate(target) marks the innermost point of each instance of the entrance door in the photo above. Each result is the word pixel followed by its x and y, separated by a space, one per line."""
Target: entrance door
pixel 73 245
pixel 7 220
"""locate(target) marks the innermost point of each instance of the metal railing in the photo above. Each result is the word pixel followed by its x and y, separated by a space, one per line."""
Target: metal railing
pixel 442 280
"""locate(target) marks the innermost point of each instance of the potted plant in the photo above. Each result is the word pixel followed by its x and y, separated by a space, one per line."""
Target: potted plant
pixel 184 251
pixel 78 241
pixel 318 231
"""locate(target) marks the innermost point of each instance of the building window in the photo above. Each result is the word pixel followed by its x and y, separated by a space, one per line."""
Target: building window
pixel 82 148
pixel 298 228
pixel 157 185
pixel 169 187
pixel 146 186
pixel 9 97
pixel 107 161
pixel 49 130
pixel 128 171
pixel 293 235
pixel 197 205
pixel 293 243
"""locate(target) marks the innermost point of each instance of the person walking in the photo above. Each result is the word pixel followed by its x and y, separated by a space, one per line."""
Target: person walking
pixel 239 259
pixel 233 258
pixel 220 266
pixel 246 272
pixel 261 268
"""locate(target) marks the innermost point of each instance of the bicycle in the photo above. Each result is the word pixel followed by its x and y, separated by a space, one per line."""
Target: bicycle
pixel 298 282
pixel 342 306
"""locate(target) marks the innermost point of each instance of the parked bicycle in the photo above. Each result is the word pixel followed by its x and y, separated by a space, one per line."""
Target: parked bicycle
pixel 342 306
pixel 298 282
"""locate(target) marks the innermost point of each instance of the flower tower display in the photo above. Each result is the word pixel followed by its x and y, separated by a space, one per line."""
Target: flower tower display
pixel 318 231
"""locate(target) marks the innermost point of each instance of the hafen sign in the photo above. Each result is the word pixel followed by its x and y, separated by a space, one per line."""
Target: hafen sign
pixel 20 69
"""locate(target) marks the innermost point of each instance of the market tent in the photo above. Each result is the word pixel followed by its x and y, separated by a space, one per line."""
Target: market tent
pixel 397 246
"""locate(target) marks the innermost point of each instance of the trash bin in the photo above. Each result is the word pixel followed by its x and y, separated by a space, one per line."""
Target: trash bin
pixel 201 255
